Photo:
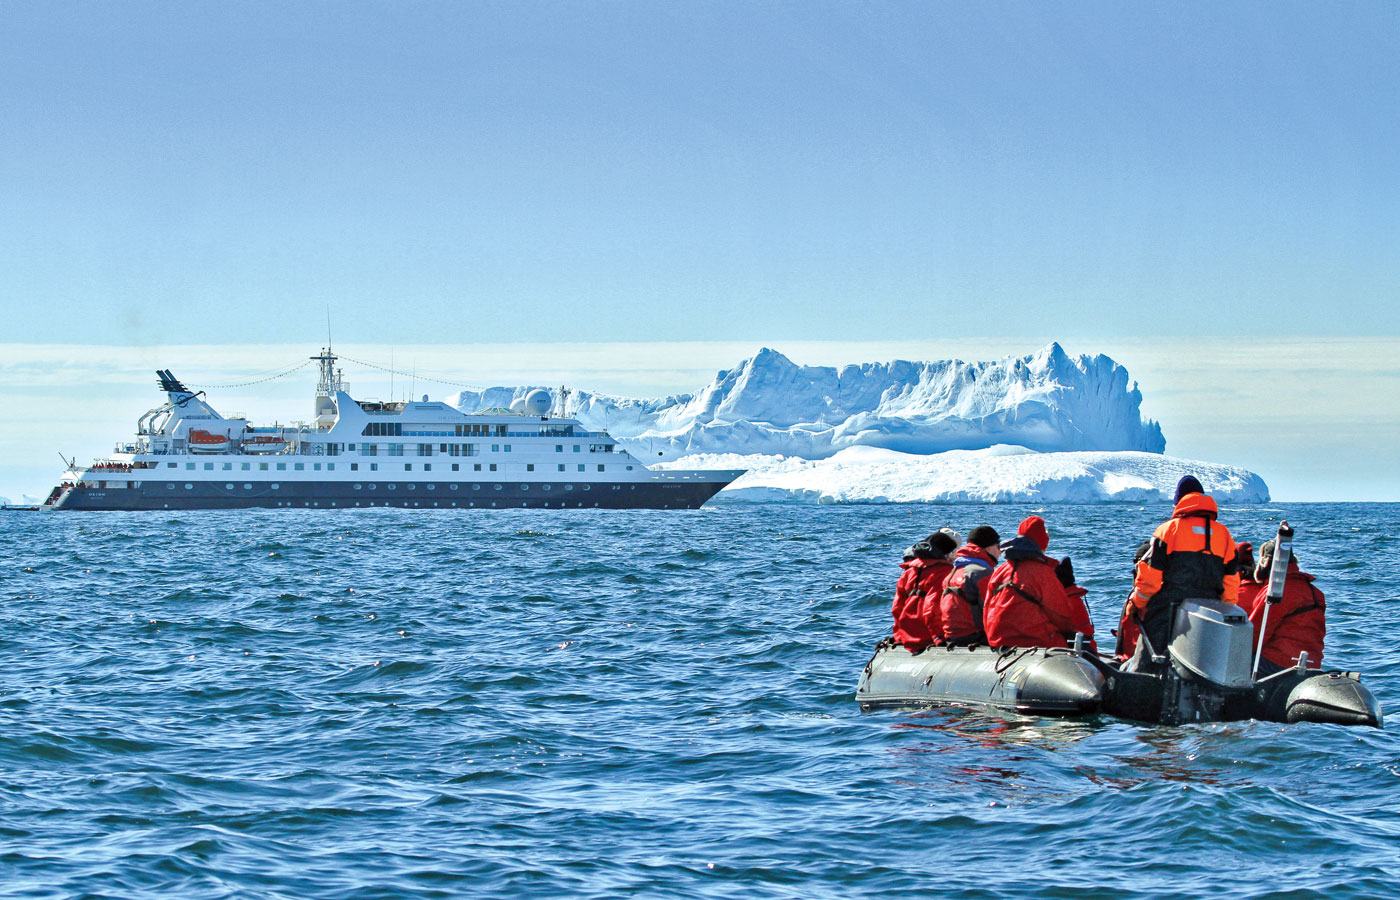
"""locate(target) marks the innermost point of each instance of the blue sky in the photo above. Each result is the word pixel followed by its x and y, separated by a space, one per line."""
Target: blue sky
pixel 755 173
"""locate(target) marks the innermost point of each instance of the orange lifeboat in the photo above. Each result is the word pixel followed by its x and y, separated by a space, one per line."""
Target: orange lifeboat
pixel 207 442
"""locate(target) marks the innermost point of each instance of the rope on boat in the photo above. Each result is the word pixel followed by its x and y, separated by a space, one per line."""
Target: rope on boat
pixel 283 374
pixel 418 375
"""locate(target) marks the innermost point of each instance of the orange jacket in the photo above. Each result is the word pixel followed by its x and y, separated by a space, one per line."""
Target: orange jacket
pixel 1192 555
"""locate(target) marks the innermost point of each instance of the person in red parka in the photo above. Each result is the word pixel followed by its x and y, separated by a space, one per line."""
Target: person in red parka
pixel 1296 623
pixel 961 601
pixel 1028 601
pixel 923 576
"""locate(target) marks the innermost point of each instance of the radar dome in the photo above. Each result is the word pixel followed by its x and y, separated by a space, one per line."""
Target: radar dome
pixel 538 402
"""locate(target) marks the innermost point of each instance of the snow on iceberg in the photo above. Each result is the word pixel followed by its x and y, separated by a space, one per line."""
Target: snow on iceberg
pixel 1000 474
pixel 768 404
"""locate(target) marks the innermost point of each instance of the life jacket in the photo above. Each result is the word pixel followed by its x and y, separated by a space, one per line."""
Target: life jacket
pixel 963 594
pixel 1027 606
pixel 1192 555
pixel 921 577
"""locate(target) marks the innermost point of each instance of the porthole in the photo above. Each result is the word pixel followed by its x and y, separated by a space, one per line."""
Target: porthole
pixel 524 487
pixel 476 487
pixel 228 487
pixel 170 487
pixel 452 487
pixel 392 487
pixel 189 487
pixel 431 487
pixel 247 487
pixel 568 487
pixel 546 488
pixel 588 487
pixel 374 487
pixel 496 486
pixel 357 487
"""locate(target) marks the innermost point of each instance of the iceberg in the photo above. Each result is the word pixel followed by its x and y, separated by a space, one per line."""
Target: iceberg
pixel 1046 427
pixel 999 474
pixel 768 404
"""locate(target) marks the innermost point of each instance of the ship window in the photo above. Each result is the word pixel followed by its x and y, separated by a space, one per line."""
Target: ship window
pixel 188 486
pixel 349 446
pixel 228 487
pixel 524 487
pixel 600 467
pixel 281 467
pixel 452 487
pixel 493 467
pixel 425 449
pixel 170 487
pixel 393 487
pixel 427 467
pixel 396 449
pixel 189 467
pixel 476 487
pixel 568 487
pixel 580 467
pixel 354 467
pixel 246 466
pixel 495 448
pixel 412 486
pixel 496 486
pixel 408 467
pixel 558 448
pixel 530 467
pixel 374 467
pixel 247 487
pixel 316 466
pixel 507 448
pixel 330 467
pixel 262 467
pixel 476 467
pixel 228 467
pixel 276 487
pixel 171 465
pixel 357 487
pixel 208 467
pixel 332 449
pixel 578 448
pixel 432 487
pixel 369 449
pixel 548 488
pixel 298 466
pixel 629 468
pixel 373 487
pixel 588 487
pixel 443 447
pixel 561 467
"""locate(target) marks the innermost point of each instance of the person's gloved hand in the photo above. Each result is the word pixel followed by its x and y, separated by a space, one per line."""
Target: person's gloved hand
pixel 1064 570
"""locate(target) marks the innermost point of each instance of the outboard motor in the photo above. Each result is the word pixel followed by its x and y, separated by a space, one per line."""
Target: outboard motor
pixel 1210 655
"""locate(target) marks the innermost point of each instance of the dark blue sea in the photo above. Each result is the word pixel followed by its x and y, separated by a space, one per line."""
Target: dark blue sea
pixel 596 704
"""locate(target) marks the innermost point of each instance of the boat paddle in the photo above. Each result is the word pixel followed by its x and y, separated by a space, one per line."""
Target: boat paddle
pixel 1278 573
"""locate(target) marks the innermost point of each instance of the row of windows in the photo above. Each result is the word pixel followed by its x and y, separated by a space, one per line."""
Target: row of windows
pixel 355 467
pixel 409 486
pixel 451 449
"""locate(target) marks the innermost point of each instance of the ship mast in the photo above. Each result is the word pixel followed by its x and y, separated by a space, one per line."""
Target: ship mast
pixel 330 382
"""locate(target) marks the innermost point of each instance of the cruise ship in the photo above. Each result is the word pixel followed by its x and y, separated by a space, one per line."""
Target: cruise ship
pixel 361 454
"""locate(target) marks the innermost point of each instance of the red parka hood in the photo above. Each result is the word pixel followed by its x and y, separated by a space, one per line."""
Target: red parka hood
pixel 925 564
pixel 1195 505
pixel 972 551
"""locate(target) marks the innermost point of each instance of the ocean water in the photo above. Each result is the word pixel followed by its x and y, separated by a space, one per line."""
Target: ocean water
pixel 597 704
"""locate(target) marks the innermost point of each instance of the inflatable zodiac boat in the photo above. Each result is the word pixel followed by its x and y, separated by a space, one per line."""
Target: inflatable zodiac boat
pixel 1206 675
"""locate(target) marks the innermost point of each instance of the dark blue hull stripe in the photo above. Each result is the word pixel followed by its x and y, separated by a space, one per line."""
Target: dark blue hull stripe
pixel 440 495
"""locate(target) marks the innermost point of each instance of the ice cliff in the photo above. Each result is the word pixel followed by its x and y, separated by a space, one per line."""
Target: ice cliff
pixel 1048 401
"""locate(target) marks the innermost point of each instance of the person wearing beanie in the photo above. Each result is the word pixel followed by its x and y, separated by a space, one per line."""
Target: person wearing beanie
pixel 926 567
pixel 960 602
pixel 1032 600
pixel 1297 623
pixel 1033 527
pixel 1191 555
